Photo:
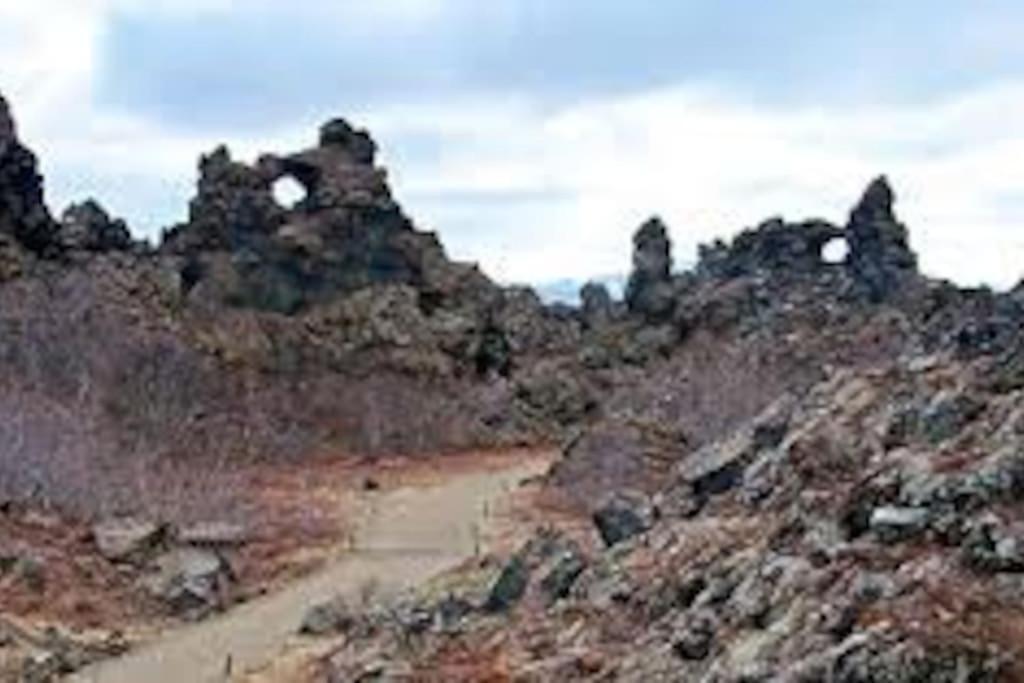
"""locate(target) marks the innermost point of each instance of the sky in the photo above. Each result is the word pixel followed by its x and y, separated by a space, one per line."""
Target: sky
pixel 536 135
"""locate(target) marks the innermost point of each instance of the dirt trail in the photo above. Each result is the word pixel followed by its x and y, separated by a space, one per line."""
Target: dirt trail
pixel 407 536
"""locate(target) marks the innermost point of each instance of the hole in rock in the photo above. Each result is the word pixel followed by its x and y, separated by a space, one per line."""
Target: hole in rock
pixel 835 251
pixel 288 192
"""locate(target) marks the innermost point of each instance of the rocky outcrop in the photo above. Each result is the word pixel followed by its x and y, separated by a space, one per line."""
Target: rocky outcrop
pixel 879 263
pixel 346 234
pixel 775 246
pixel 88 227
pixel 649 291
pixel 880 258
pixel 23 215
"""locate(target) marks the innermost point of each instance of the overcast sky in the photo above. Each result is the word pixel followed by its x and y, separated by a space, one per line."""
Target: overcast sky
pixel 535 135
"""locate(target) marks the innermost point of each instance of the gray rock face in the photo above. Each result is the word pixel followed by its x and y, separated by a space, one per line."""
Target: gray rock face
pixel 332 617
pixel 510 587
pixel 695 636
pixel 346 234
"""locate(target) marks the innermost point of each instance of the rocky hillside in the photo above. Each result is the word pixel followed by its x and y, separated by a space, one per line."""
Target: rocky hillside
pixel 797 470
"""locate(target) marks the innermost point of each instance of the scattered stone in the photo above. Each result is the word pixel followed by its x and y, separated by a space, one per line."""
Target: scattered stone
pixel 948 414
pixel 126 539
pixel 622 517
pixel 510 586
pixel 330 618
pixel 190 581
pixel 559 581
pixel 897 523
pixel 695 636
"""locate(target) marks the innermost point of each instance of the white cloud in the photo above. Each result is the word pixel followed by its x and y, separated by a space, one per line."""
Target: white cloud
pixel 708 162
pixel 711 165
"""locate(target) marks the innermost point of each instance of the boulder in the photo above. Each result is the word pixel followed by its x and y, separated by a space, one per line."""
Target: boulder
pixel 126 539
pixel 623 516
pixel 191 582
pixel 892 523
pixel 23 213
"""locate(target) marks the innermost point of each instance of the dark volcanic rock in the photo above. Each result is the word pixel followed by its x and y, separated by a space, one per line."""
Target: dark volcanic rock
pixel 880 257
pixel 596 305
pixel 774 246
pixel 510 586
pixel 22 211
pixel 88 227
pixel 624 516
pixel 649 290
pixel 346 234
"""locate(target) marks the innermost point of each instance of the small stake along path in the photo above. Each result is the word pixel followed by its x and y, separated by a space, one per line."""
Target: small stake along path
pixel 411 534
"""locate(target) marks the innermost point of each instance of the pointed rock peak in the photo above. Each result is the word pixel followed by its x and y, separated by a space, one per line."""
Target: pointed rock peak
pixel 339 133
pixel 653 229
pixel 22 211
pixel 876 204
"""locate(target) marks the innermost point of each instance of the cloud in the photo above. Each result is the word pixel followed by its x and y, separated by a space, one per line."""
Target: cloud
pixel 710 165
pixel 257 67
pixel 535 136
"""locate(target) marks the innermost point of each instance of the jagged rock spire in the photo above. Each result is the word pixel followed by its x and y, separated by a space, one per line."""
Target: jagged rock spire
pixel 880 256
pixel 23 214
pixel 876 204
pixel 649 290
